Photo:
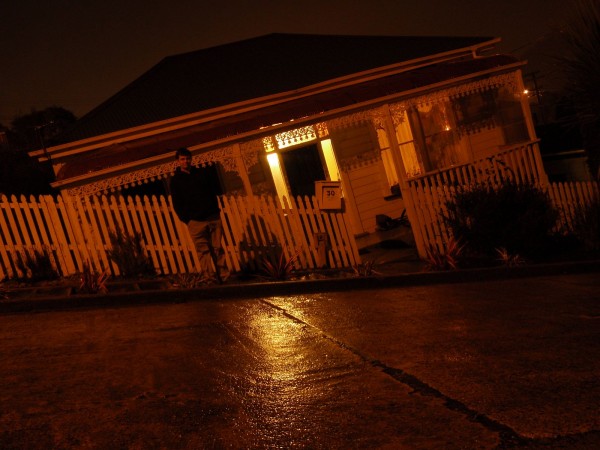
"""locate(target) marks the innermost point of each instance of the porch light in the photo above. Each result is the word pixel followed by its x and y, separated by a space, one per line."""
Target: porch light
pixel 278 178
pixel 330 161
pixel 296 136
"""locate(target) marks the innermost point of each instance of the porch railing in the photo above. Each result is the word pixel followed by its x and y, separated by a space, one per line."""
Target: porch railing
pixel 522 163
pixel 427 194
pixel 429 208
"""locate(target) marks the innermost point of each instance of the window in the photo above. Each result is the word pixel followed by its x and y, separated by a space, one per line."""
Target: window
pixel 495 107
pixel 439 135
pixel 476 110
pixel 511 117
pixel 453 131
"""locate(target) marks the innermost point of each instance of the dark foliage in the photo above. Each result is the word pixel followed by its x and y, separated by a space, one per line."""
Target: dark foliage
pixel 516 217
pixel 92 282
pixel 581 66
pixel 129 255
pixel 20 173
pixel 37 265
pixel 39 129
pixel 450 259
pixel 586 226
pixel 279 270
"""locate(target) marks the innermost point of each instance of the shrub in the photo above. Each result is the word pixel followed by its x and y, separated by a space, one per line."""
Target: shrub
pixel 37 265
pixel 516 217
pixel 129 255
pixel 190 280
pixel 447 260
pixel 92 282
pixel 586 225
pixel 281 269
pixel 509 260
pixel 366 269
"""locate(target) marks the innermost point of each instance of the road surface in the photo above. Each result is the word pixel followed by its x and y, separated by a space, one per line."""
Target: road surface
pixel 496 364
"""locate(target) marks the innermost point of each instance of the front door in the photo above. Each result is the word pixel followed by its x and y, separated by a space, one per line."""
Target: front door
pixel 303 166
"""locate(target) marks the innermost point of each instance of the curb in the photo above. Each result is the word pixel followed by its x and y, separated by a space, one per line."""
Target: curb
pixel 254 290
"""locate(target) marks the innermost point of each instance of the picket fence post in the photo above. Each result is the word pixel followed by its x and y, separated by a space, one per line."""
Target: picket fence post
pixel 75 231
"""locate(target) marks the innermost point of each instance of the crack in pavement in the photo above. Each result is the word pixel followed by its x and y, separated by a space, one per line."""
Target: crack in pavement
pixel 509 438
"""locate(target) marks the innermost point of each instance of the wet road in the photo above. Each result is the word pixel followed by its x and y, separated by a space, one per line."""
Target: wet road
pixel 481 365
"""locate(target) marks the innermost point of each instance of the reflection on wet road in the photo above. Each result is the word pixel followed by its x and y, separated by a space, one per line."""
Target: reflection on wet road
pixel 323 371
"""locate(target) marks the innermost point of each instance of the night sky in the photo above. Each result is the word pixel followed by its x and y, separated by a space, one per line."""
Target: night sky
pixel 76 54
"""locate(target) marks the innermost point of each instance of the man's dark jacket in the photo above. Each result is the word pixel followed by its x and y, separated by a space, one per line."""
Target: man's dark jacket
pixel 194 195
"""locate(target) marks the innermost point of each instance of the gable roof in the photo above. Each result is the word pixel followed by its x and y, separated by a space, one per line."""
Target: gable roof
pixel 258 67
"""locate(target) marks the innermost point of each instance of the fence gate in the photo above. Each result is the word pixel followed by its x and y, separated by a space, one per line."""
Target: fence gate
pixel 261 227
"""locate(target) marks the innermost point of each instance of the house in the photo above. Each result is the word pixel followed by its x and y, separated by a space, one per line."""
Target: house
pixel 379 115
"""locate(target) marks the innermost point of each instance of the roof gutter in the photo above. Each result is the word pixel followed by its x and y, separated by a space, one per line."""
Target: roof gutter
pixel 297 123
pixel 72 149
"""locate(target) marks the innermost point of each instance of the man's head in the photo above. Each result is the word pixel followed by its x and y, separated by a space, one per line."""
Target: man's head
pixel 184 157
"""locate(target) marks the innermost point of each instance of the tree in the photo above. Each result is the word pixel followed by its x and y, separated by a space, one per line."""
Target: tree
pixel 581 65
pixel 39 129
pixel 19 173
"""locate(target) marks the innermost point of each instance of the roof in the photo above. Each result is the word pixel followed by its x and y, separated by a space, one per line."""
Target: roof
pixel 249 121
pixel 258 67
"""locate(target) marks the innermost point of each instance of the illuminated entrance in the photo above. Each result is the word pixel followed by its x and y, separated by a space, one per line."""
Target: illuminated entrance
pixel 298 158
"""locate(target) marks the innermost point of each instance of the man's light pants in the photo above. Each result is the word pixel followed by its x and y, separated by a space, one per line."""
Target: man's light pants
pixel 207 240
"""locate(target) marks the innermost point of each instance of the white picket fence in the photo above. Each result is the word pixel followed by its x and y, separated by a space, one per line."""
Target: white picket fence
pixel 520 163
pixel 76 231
pixel 426 195
pixel 259 228
pixel 430 230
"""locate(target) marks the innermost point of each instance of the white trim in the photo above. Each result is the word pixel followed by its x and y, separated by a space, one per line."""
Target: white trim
pixel 119 137
pixel 125 170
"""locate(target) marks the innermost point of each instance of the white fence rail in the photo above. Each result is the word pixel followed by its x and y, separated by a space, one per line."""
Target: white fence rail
pixel 74 232
pixel 429 208
pixel 521 163
pixel 258 228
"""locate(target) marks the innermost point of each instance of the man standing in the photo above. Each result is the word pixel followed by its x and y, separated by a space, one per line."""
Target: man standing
pixel 195 202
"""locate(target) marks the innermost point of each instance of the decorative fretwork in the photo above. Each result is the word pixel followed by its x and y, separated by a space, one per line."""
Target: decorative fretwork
pixel 136 178
pixel 255 146
pixel 398 113
pixel 250 153
pixel 296 136
pixel 509 80
pixel 224 155
pixel 350 120
pixel 322 130
pixel 378 118
pixel 250 150
pixel 504 80
pixel 269 144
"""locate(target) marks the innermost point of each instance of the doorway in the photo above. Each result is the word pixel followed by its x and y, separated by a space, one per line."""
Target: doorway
pixel 303 166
